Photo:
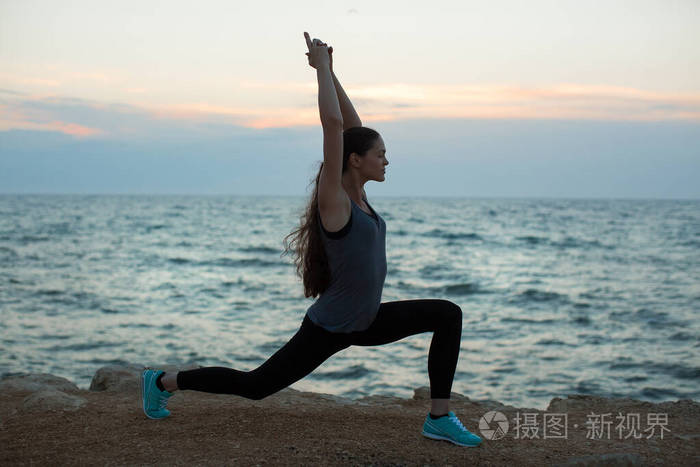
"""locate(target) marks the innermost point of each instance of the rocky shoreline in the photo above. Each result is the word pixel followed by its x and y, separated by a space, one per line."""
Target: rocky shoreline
pixel 46 419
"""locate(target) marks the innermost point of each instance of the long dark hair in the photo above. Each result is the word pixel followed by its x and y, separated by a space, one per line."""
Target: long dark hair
pixel 309 253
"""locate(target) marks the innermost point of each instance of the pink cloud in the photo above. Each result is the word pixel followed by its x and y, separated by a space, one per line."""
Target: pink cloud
pixel 74 129
pixel 68 128
pixel 387 102
pixel 16 119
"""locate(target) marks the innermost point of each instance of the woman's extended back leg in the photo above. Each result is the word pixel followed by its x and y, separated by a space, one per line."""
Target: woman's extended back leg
pixel 304 352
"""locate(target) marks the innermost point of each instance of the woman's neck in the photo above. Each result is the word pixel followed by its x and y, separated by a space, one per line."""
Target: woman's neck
pixel 355 192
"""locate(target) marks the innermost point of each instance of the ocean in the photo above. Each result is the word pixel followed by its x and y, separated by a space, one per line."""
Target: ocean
pixel 559 296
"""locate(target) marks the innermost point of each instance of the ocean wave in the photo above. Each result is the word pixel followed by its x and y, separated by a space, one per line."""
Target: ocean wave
pixel 677 370
pixel 83 346
pixel 538 296
pixel 240 263
pixel 554 342
pixel 448 235
pixel 259 249
pixel 510 319
pixel 350 372
pixel 8 254
pixel 28 239
pixel 466 288
pixel 462 289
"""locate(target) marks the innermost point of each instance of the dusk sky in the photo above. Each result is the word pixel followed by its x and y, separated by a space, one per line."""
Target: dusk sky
pixel 565 99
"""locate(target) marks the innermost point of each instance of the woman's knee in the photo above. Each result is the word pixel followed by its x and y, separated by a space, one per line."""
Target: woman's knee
pixel 452 311
pixel 260 394
pixel 260 387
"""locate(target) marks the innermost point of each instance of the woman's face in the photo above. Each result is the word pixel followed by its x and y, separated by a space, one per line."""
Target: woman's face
pixel 375 161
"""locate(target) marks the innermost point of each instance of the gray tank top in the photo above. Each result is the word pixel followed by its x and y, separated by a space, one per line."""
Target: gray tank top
pixel 357 260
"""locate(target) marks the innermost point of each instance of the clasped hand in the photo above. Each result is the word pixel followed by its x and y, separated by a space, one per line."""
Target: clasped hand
pixel 319 53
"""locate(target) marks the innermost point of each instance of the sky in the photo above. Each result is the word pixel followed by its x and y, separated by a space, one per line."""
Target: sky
pixel 562 99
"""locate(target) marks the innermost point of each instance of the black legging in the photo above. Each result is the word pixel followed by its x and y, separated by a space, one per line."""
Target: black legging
pixel 312 345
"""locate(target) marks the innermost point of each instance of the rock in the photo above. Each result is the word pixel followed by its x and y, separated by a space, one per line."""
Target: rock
pixel 688 406
pixel 589 402
pixel 378 399
pixel 116 377
pixel 611 459
pixel 423 393
pixel 289 396
pixel 35 382
pixel 688 437
pixel 455 396
pixel 336 399
pixel 557 405
pixel 52 399
pixel 575 402
pixel 125 377
pixel 491 404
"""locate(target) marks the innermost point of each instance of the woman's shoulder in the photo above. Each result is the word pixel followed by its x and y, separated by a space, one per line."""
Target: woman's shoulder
pixel 333 220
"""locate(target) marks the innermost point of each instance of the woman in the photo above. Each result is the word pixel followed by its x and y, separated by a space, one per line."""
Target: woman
pixel 341 257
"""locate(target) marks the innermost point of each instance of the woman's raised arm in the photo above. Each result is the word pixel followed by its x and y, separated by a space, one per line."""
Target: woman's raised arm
pixel 350 117
pixel 328 105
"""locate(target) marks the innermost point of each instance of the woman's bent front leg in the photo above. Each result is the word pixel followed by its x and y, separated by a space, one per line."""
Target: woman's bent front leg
pixel 396 320
pixel 305 351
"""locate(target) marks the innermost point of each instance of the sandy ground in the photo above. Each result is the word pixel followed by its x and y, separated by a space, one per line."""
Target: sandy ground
pixel 297 428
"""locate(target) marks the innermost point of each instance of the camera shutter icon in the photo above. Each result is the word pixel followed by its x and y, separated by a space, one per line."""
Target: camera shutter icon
pixel 493 425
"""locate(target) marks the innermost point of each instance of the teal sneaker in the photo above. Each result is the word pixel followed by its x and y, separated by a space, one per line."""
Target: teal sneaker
pixel 154 400
pixel 450 429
